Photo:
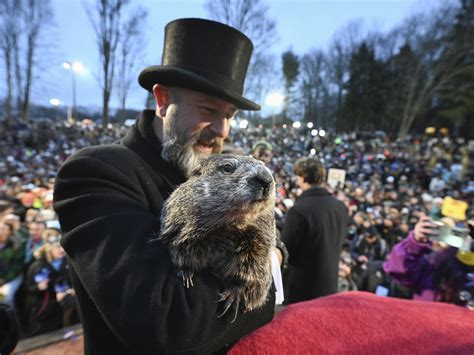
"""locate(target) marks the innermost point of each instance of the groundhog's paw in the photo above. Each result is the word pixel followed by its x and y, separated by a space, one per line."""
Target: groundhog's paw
pixel 187 277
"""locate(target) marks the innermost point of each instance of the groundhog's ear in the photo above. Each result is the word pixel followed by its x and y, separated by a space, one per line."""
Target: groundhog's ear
pixel 197 171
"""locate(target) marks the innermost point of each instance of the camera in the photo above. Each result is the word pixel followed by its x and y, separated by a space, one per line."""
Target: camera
pixel 453 236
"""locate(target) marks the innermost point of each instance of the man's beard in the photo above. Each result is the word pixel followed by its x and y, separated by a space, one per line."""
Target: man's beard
pixel 178 145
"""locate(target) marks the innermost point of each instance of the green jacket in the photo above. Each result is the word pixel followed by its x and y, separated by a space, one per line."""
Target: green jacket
pixel 11 260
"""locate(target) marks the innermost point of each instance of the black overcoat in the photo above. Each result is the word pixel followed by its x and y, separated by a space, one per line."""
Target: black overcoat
pixel 108 200
pixel 314 232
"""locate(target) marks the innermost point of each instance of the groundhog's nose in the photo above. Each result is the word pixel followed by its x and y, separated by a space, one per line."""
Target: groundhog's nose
pixel 261 181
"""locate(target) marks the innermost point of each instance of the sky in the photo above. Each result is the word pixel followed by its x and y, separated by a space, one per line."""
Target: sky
pixel 301 25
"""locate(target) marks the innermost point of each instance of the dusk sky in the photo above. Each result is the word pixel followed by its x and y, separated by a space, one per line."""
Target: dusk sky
pixel 301 26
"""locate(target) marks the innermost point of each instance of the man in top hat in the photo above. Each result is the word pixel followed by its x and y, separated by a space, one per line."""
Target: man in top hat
pixel 108 200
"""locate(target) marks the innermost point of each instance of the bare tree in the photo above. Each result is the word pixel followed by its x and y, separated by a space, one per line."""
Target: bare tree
pixel 344 42
pixel 9 16
pixel 250 17
pixel 23 23
pixel 36 16
pixel 313 84
pixel 262 77
pixel 131 46
pixel 438 60
pixel 106 21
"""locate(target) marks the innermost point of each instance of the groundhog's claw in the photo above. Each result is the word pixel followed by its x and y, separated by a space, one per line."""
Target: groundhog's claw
pixel 230 297
pixel 187 277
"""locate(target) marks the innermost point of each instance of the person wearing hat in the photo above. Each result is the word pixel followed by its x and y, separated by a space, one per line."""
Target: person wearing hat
pixel 314 232
pixel 434 270
pixel 369 253
pixel 262 150
pixel 108 200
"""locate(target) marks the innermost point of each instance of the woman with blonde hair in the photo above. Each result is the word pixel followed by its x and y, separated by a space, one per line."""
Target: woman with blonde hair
pixel 51 299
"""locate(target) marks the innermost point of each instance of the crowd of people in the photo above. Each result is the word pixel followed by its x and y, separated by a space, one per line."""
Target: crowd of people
pixel 389 185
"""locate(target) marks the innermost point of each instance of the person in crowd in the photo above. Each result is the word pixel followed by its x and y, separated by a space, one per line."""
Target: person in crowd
pixel 5 208
pixel 11 264
pixel 34 241
pixel 345 280
pixel 50 297
pixel 20 232
pixel 262 150
pixel 435 272
pixel 130 297
pixel 314 233
pixel 371 247
pixel 369 254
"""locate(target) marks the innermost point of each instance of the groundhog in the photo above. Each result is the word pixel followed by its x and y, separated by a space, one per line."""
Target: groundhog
pixel 222 218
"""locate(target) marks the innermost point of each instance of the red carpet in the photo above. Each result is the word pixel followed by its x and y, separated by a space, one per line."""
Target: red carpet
pixel 362 323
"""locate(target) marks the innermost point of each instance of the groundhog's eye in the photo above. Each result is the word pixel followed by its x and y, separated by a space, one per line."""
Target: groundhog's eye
pixel 228 168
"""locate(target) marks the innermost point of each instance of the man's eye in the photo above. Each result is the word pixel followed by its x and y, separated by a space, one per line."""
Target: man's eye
pixel 227 168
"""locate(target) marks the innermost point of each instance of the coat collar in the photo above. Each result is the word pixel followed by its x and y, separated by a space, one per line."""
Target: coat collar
pixel 315 191
pixel 142 139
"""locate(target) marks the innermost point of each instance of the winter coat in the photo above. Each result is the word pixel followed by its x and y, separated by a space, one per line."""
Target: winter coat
pixel 11 261
pixel 412 264
pixel 132 301
pixel 43 310
pixel 314 232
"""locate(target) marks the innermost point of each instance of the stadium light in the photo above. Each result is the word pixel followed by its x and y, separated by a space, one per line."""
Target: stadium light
pixel 74 67
pixel 55 102
pixel 244 124
pixel 297 124
pixel 314 132
pixel 322 132
pixel 274 100
pixel 310 125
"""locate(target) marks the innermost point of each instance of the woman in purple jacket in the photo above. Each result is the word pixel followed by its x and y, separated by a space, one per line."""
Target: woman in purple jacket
pixel 433 273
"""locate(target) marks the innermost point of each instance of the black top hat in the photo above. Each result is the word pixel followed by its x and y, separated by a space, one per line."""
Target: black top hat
pixel 205 56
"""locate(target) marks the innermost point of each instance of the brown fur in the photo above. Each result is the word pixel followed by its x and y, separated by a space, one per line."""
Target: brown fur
pixel 222 218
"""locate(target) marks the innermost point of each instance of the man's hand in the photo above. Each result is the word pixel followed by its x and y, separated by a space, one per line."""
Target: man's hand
pixel 362 259
pixel 60 295
pixel 424 229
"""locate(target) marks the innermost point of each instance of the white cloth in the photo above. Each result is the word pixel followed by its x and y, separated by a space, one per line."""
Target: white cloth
pixel 277 279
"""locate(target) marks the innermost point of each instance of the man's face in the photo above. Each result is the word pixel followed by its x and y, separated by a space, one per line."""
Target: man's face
pixel 195 126
pixel 36 231
pixel 265 155
pixel 4 232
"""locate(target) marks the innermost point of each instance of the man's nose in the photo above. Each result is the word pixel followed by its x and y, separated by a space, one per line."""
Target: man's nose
pixel 220 127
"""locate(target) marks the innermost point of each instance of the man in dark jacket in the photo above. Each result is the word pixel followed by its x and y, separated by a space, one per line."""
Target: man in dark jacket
pixel 314 232
pixel 109 199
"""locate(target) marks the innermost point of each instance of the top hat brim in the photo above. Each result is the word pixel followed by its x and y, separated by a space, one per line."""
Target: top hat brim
pixel 171 75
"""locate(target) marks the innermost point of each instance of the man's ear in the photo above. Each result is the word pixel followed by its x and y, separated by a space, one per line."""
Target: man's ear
pixel 162 98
